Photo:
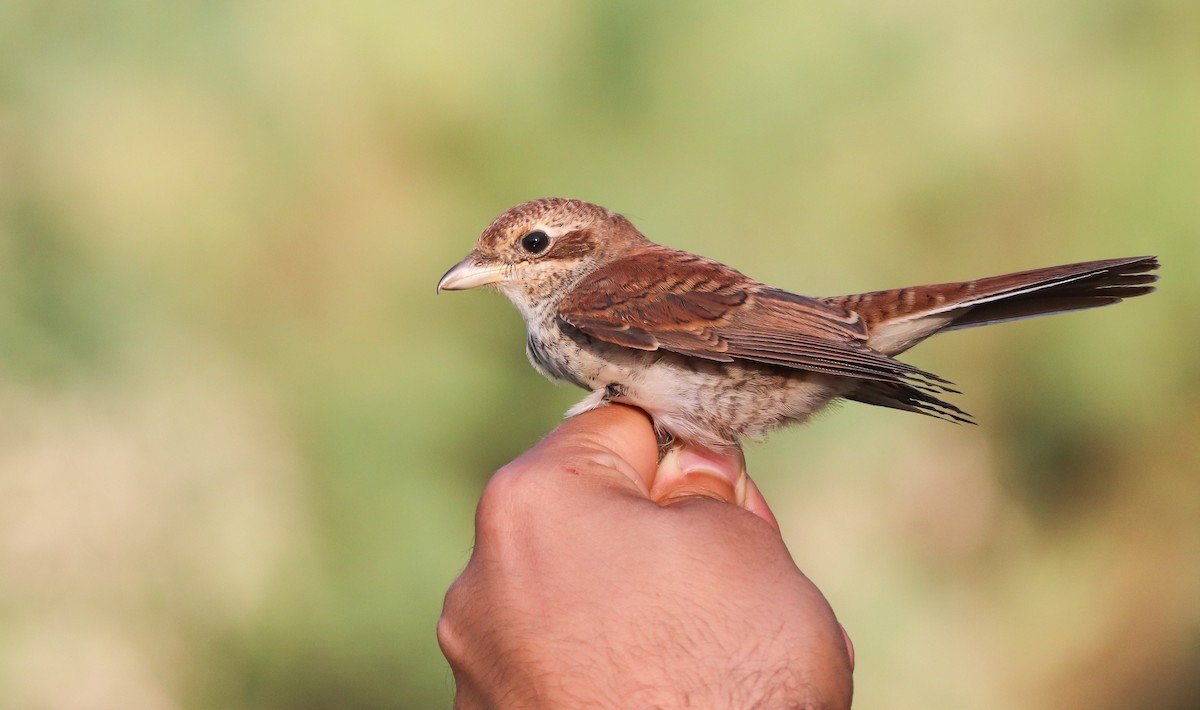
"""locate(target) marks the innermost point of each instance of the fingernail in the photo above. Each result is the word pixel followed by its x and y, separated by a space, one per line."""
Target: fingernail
pixel 729 467
pixel 690 471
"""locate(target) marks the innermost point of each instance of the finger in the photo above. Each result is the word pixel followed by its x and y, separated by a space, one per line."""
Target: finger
pixel 688 471
pixel 691 471
pixel 757 504
pixel 615 441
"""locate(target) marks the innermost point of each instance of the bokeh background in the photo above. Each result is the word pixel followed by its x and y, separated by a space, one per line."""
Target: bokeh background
pixel 241 440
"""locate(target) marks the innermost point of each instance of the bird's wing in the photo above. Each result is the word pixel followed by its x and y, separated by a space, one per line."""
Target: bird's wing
pixel 661 298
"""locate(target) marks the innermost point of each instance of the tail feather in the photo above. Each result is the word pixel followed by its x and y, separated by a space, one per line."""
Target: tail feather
pixel 897 396
pixel 1057 289
pixel 900 318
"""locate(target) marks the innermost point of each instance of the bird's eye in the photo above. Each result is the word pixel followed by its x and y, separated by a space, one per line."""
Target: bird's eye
pixel 535 242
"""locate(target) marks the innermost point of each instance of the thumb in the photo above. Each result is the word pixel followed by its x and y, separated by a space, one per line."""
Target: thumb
pixel 691 471
pixel 617 443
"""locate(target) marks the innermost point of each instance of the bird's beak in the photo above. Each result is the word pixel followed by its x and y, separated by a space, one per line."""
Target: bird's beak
pixel 469 273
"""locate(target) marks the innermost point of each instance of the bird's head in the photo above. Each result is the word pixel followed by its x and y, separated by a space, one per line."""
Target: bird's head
pixel 534 252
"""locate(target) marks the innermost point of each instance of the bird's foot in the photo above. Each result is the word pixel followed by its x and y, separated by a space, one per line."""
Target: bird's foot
pixel 666 441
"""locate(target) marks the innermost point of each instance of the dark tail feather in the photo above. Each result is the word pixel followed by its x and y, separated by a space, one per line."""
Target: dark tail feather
pixel 910 399
pixel 901 318
pixel 1058 289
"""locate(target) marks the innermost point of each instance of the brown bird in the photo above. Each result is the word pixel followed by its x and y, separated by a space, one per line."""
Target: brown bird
pixel 712 355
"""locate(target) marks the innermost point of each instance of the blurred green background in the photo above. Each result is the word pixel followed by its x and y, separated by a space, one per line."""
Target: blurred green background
pixel 241 440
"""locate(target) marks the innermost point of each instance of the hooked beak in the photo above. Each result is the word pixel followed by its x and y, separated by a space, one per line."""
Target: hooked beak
pixel 469 273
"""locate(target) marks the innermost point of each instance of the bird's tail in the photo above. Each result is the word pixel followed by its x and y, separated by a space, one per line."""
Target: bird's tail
pixel 900 318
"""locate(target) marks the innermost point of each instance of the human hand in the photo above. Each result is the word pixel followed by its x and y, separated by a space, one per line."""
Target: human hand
pixel 601 579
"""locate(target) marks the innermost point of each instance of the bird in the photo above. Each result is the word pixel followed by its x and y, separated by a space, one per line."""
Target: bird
pixel 714 356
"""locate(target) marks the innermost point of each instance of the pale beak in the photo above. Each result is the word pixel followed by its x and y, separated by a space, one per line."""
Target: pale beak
pixel 469 273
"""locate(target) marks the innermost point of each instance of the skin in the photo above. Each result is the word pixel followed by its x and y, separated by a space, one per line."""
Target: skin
pixel 601 578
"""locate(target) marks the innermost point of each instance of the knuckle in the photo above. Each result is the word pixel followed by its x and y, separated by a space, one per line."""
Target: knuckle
pixel 449 639
pixel 504 496
pixel 518 496
pixel 455 622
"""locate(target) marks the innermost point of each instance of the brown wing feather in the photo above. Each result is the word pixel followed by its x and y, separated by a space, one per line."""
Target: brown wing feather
pixel 662 298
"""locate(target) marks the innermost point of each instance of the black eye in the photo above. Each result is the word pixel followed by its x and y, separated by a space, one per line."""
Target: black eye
pixel 535 242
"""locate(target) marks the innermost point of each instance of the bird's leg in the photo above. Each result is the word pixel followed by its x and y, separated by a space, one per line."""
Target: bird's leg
pixel 666 440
